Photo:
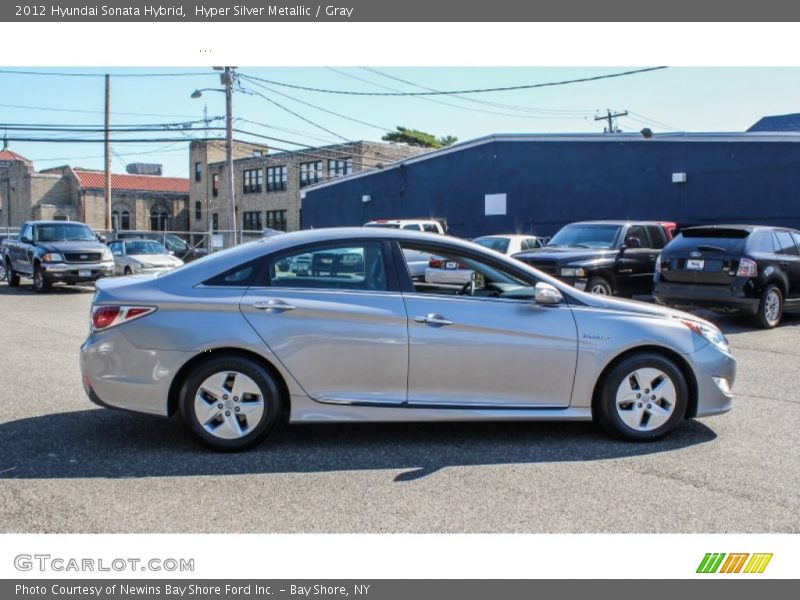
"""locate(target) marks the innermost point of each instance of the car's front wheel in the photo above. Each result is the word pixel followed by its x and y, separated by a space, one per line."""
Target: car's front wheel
pixel 230 403
pixel 642 398
pixel 599 286
pixel 770 307
pixel 40 282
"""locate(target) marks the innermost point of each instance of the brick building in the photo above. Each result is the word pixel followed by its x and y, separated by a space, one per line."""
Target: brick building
pixel 267 187
pixel 148 202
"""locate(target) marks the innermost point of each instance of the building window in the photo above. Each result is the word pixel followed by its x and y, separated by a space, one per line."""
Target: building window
pixel 198 171
pixel 215 221
pixel 276 178
pixel 120 220
pixel 276 219
pixel 159 219
pixel 252 221
pixel 215 185
pixel 198 210
pixel 253 180
pixel 310 172
pixel 339 166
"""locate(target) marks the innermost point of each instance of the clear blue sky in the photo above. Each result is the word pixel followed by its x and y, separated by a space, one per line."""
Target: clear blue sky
pixel 685 99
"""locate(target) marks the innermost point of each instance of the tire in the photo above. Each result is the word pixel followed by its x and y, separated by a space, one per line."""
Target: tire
pixel 623 414
pixel 127 271
pixel 12 277
pixel 599 286
pixel 770 307
pixel 2 270
pixel 40 283
pixel 211 413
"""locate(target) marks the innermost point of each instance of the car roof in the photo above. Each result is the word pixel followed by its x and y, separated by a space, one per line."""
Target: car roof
pixel 619 223
pixel 742 227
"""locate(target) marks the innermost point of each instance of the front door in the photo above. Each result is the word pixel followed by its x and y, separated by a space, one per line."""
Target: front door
pixel 487 343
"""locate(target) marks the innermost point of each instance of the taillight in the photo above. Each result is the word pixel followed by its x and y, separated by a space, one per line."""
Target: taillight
pixel 435 263
pixel 104 317
pixel 747 268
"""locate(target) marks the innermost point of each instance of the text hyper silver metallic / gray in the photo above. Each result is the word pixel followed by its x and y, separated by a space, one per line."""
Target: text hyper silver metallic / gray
pixel 240 339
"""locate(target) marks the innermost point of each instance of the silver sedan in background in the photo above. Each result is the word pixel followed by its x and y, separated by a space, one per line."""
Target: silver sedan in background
pixel 142 256
pixel 236 342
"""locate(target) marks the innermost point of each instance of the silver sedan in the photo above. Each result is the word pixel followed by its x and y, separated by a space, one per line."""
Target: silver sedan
pixel 142 256
pixel 236 342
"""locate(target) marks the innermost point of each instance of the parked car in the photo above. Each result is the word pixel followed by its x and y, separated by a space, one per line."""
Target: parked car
pixel 444 272
pixel 429 225
pixel 234 343
pixel 750 269
pixel 603 257
pixel 175 244
pixel 3 237
pixel 56 251
pixel 139 257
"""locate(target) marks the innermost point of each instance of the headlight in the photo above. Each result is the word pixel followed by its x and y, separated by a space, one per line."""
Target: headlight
pixel 52 257
pixel 709 333
pixel 573 272
pixel 107 255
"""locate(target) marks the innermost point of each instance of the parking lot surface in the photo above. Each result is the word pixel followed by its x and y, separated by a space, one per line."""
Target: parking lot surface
pixel 68 466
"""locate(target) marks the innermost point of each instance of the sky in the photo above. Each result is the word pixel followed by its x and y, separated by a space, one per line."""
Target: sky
pixel 696 99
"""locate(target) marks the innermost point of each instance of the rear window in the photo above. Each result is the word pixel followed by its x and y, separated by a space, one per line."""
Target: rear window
pixel 499 244
pixel 715 233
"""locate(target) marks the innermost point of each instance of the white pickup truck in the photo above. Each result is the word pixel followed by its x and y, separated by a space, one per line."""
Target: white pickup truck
pixel 429 225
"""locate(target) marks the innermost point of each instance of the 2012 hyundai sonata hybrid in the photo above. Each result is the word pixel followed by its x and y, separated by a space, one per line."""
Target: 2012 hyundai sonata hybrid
pixel 327 326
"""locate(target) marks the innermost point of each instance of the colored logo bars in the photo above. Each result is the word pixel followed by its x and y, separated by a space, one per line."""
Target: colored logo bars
pixel 713 563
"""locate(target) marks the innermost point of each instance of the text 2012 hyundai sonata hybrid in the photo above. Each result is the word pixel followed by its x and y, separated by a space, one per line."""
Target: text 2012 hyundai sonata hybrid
pixel 327 326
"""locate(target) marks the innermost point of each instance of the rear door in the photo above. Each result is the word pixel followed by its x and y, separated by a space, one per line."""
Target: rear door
pixel 635 266
pixel 789 259
pixel 339 327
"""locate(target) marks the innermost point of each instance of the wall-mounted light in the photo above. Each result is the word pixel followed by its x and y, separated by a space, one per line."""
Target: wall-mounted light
pixel 679 178
pixel 366 198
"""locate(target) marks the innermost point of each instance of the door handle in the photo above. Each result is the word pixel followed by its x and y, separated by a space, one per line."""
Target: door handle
pixel 433 319
pixel 277 305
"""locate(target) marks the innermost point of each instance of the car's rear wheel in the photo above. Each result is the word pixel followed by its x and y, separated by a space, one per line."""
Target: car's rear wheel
pixel 599 286
pixel 12 278
pixel 642 398
pixel 230 403
pixel 770 307
pixel 40 282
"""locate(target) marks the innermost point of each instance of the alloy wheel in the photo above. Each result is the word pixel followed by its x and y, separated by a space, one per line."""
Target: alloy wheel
pixel 772 306
pixel 229 405
pixel 646 399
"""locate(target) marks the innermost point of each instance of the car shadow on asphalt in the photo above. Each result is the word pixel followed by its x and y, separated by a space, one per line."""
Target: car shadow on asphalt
pixel 26 289
pixel 111 444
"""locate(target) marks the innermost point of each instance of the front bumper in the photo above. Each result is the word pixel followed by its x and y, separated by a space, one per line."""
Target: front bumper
pixel 77 272
pixel 714 297
pixel 713 367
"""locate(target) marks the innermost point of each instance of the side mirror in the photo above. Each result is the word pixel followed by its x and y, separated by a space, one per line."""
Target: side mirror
pixel 102 239
pixel 631 242
pixel 26 240
pixel 117 253
pixel 547 295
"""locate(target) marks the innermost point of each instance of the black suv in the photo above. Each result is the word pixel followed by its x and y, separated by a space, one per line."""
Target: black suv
pixel 746 268
pixel 603 257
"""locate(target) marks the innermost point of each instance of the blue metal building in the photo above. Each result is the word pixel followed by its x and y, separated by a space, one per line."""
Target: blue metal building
pixel 536 183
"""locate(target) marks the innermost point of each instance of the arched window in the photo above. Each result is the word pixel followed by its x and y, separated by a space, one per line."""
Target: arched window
pixel 160 219
pixel 120 217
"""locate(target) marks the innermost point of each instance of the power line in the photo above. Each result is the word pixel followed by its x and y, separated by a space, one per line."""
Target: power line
pixel 93 112
pixel 86 74
pixel 466 91
pixel 95 129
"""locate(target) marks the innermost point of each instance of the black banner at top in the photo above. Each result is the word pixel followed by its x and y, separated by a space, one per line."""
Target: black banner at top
pixel 403 10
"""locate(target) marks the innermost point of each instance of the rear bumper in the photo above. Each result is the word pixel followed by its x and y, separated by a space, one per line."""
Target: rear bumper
pixel 687 295
pixel 74 273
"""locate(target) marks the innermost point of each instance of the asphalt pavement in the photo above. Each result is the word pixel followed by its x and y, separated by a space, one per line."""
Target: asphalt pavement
pixel 68 466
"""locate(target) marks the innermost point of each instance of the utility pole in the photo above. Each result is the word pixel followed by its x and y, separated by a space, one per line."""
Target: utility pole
pixel 108 156
pixel 610 117
pixel 227 81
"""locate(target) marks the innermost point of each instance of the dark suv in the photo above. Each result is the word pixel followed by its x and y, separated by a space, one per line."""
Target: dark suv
pixel 733 268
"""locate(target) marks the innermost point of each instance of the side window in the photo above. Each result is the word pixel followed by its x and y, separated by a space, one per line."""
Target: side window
pixel 785 243
pixel 796 237
pixel 430 228
pixel 348 267
pixel 657 236
pixel 239 276
pixel 451 273
pixel 636 232
pixel 116 247
pixel 413 227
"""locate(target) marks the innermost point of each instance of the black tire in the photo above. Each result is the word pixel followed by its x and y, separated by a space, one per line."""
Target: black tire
pixel 770 307
pixel 12 277
pixel 127 271
pixel 599 286
pixel 270 392
pixel 41 285
pixel 605 409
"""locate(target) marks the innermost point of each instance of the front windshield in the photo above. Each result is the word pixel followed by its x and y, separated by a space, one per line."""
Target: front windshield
pixel 500 244
pixel 144 247
pixel 586 236
pixel 64 232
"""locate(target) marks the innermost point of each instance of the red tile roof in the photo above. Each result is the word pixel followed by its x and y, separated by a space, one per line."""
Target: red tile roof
pixel 95 180
pixel 9 155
